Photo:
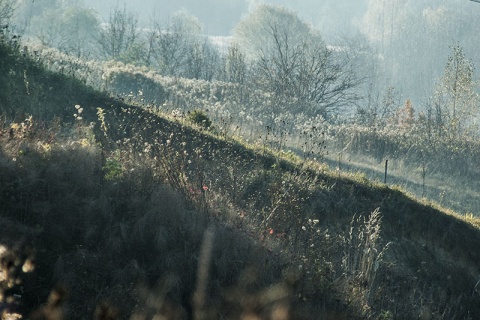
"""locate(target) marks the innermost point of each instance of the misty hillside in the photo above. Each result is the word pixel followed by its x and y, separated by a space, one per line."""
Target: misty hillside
pixel 107 205
pixel 384 81
pixel 151 174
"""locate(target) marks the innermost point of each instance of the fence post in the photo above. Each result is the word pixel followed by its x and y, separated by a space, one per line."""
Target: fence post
pixel 424 173
pixel 386 170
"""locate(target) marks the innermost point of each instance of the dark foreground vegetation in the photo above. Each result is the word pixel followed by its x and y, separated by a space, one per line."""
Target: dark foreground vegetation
pixel 111 211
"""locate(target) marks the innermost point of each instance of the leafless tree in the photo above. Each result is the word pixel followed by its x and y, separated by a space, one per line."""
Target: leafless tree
pixel 7 8
pixel 179 49
pixel 203 60
pixel 119 35
pixel 169 48
pixel 456 98
pixel 234 65
pixel 294 64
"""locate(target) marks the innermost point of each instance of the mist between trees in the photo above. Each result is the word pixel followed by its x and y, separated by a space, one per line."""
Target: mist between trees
pixel 386 93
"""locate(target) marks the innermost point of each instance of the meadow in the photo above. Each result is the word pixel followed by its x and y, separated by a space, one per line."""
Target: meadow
pixel 130 195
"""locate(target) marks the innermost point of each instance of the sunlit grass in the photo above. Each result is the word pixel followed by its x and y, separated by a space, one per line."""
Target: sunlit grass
pixel 124 194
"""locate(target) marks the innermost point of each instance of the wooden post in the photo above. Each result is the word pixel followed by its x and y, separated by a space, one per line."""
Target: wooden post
pixel 386 170
pixel 424 173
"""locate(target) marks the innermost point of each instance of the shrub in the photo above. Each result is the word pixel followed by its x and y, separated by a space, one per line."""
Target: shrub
pixel 199 118
pixel 137 85
pixel 113 168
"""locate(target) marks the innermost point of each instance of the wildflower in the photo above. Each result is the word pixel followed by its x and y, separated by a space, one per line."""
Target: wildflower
pixel 271 231
pixel 28 266
pixel 205 188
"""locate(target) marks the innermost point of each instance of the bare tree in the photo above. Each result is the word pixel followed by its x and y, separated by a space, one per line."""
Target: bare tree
pixel 7 7
pixel 70 29
pixel 235 65
pixel 293 63
pixel 456 98
pixel 119 35
pixel 179 49
pixel 170 47
pixel 203 60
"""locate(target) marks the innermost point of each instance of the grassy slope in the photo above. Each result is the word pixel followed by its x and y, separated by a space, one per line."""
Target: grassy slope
pixel 100 238
pixel 434 256
pixel 360 148
pixel 451 177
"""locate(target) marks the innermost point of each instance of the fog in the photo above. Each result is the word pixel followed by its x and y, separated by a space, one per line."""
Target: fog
pixel 217 16
pixel 405 66
pixel 333 17
pixel 402 46
pixel 412 38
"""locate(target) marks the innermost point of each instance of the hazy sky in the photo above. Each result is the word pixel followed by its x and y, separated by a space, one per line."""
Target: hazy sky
pixel 332 17
pixel 410 58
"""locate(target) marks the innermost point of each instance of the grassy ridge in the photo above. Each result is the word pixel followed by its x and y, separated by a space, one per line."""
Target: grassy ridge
pixel 421 161
pixel 101 238
pixel 127 199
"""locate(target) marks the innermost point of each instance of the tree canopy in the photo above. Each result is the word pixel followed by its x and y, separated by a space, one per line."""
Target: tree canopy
pixel 6 10
pixel 293 63
pixel 261 31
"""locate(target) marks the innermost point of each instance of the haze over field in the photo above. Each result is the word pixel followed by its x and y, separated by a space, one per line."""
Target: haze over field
pixel 412 38
pixel 239 159
pixel 394 66
pixel 334 18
